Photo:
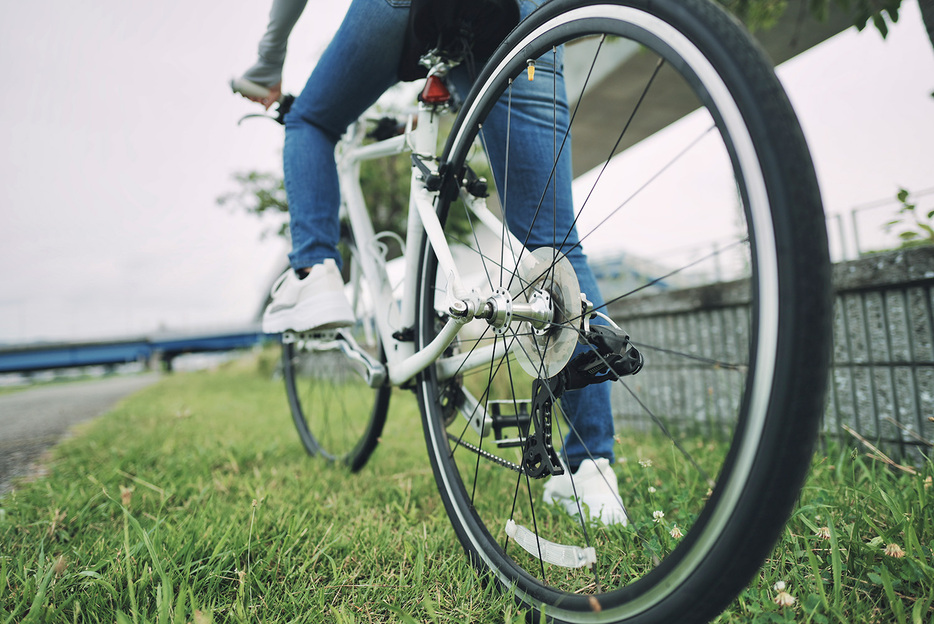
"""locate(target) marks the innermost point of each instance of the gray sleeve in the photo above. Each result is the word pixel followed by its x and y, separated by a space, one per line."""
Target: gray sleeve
pixel 282 17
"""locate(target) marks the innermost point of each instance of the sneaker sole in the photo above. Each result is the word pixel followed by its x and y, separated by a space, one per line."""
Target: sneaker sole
pixel 306 315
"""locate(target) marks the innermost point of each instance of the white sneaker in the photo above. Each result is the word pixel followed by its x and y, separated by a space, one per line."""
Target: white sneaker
pixel 597 489
pixel 316 302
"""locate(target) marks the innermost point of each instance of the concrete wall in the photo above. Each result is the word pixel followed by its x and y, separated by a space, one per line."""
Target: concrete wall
pixel 883 377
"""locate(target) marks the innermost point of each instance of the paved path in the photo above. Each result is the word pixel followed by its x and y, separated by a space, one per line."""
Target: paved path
pixel 33 420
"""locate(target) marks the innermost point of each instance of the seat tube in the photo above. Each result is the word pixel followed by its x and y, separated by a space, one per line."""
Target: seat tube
pixel 424 142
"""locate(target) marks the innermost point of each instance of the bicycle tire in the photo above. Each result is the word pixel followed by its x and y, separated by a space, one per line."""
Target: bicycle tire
pixel 769 379
pixel 338 416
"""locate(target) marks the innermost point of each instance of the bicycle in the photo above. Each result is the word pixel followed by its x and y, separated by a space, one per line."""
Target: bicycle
pixel 491 359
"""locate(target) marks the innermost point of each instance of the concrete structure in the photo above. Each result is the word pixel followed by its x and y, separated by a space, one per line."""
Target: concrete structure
pixel 617 84
pixel 882 383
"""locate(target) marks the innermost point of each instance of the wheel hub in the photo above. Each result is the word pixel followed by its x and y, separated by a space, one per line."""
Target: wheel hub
pixel 538 308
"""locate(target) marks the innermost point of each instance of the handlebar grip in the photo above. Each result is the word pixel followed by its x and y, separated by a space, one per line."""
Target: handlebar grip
pixel 248 88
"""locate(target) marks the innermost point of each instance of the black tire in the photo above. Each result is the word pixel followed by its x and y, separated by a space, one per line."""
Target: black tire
pixel 727 475
pixel 337 414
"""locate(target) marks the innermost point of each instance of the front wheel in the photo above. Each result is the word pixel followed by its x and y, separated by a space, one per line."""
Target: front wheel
pixel 338 413
pixel 713 437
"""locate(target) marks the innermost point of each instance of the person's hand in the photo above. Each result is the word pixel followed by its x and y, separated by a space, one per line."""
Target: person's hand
pixel 275 92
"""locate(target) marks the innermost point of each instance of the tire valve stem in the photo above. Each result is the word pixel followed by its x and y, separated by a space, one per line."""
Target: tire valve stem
pixel 531 70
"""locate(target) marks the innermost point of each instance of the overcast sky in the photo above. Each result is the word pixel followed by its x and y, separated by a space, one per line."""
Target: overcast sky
pixel 119 131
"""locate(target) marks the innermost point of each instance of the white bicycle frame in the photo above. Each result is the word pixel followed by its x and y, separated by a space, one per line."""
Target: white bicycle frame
pixel 403 361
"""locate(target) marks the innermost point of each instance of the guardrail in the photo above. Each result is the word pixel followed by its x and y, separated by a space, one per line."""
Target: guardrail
pixel 882 383
pixel 162 348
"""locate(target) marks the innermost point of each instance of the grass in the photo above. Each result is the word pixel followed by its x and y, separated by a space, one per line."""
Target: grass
pixel 194 502
pixel 857 548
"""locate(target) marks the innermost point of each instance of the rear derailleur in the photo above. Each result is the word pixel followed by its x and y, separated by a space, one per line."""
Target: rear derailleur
pixel 610 356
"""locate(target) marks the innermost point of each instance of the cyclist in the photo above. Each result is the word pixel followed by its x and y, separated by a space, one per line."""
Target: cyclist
pixel 361 62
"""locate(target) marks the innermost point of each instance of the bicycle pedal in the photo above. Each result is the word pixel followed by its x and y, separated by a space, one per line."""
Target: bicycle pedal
pixel 322 335
pixel 610 357
pixel 508 414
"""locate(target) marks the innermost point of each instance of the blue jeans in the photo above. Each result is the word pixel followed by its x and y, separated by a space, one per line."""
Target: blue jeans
pixel 358 66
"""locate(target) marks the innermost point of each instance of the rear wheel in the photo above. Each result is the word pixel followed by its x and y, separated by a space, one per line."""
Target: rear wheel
pixel 338 414
pixel 714 435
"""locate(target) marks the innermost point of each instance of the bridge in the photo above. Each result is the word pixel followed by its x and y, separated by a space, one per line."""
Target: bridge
pixel 163 347
pixel 619 88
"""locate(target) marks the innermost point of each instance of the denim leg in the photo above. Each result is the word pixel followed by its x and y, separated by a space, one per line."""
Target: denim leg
pixel 359 64
pixel 534 201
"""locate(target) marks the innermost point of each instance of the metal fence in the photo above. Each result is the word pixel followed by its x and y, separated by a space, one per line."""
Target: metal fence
pixel 882 383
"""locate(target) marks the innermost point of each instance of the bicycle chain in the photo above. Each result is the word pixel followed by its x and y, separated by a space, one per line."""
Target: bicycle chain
pixel 486 454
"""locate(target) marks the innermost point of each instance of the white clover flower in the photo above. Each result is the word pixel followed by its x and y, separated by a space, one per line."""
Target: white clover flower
pixel 894 550
pixel 652 490
pixel 645 463
pixel 676 532
pixel 823 532
pixel 126 495
pixel 784 599
pixel 657 516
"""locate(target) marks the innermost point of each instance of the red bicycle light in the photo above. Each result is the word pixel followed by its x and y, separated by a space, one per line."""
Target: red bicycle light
pixel 435 92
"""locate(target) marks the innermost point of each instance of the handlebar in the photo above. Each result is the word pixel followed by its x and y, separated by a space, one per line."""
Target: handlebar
pixel 248 88
pixel 251 89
